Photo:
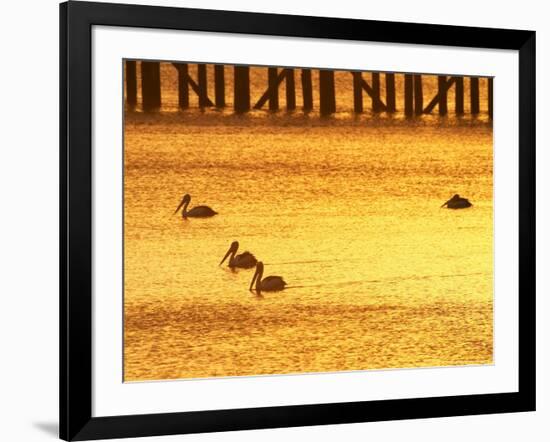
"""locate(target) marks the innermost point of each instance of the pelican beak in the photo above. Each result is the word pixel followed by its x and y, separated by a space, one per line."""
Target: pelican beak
pixel 444 204
pixel 179 207
pixel 225 257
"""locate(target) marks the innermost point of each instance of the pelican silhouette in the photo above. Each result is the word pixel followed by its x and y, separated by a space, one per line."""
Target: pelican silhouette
pixel 457 202
pixel 245 260
pixel 195 212
pixel 269 283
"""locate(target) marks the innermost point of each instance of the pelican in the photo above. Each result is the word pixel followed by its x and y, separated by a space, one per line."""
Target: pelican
pixel 195 212
pixel 245 260
pixel 457 202
pixel 269 283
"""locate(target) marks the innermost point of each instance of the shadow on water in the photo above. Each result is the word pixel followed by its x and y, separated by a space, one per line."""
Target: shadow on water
pixel 50 428
pixel 338 284
pixel 385 280
pixel 344 118
pixel 303 262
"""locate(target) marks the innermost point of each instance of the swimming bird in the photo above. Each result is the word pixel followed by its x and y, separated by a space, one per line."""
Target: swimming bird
pixel 269 283
pixel 457 202
pixel 245 260
pixel 195 212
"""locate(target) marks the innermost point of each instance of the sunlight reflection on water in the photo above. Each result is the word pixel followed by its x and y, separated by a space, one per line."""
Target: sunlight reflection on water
pixel 349 214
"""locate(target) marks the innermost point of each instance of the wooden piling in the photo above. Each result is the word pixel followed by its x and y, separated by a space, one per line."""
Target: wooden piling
pixel 442 93
pixel 441 97
pixel 150 85
pixel 183 85
pixel 203 86
pixel 390 92
pixel 357 92
pixel 241 88
pixel 490 97
pixel 374 93
pixel 327 96
pixel 131 83
pixel 474 95
pixel 290 90
pixel 408 95
pixel 376 104
pixel 413 90
pixel 459 95
pixel 219 85
pixel 307 90
pixel 273 89
pixel 185 82
pixel 418 95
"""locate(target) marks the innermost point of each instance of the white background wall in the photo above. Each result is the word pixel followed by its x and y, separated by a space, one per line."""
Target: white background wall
pixel 29 219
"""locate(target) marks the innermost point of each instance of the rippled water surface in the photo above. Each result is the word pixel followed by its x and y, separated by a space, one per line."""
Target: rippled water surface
pixel 346 209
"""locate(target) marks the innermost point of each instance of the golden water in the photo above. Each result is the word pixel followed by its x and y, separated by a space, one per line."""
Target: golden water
pixel 346 209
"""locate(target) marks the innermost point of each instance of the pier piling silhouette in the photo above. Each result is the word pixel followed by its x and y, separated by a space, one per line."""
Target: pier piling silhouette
pixel 193 78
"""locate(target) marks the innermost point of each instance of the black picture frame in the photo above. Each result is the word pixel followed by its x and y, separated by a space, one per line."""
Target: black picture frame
pixel 76 21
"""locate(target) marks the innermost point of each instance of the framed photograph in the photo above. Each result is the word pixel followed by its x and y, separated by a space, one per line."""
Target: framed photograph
pixel 274 220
